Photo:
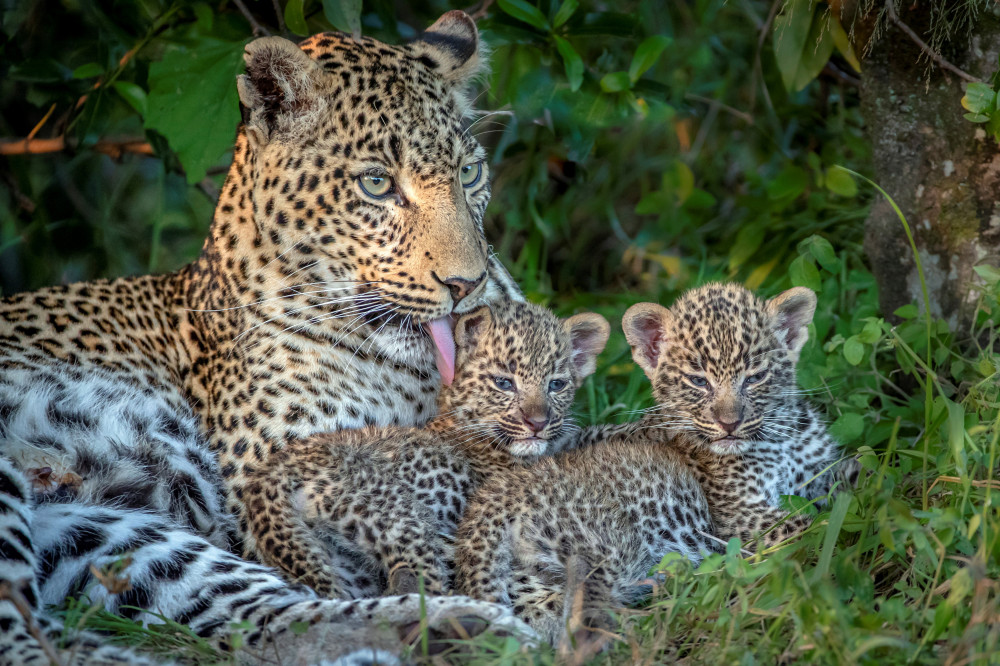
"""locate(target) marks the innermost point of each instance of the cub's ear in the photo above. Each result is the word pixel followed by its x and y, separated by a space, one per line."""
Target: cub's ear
pixel 791 312
pixel 471 326
pixel 588 333
pixel 451 49
pixel 279 84
pixel 645 326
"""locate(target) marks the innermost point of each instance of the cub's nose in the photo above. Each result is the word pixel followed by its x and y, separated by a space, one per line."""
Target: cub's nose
pixel 535 422
pixel 729 426
pixel 460 287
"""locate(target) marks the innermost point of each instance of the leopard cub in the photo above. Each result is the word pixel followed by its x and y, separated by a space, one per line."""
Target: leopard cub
pixel 722 364
pixel 368 511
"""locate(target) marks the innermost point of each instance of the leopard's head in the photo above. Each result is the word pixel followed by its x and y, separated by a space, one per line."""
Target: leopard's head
pixel 518 368
pixel 360 185
pixel 722 361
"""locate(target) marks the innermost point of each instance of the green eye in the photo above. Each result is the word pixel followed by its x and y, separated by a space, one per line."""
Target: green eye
pixel 375 185
pixel 470 174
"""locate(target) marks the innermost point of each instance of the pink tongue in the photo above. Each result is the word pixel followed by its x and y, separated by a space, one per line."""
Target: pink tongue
pixel 444 348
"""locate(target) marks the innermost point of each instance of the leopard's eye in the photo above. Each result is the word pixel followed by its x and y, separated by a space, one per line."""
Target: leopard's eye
pixel 470 174
pixel 504 383
pixel 697 380
pixel 757 378
pixel 557 385
pixel 376 185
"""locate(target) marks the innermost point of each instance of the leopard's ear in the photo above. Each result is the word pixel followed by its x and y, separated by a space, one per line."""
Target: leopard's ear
pixel 471 326
pixel 279 86
pixel 791 313
pixel 645 326
pixel 588 333
pixel 451 49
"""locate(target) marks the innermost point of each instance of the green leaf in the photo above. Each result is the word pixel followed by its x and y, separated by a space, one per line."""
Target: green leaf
pixel 132 94
pixel 848 427
pixel 976 117
pixel 295 17
pixel 572 62
pixel 791 182
pixel 192 102
pixel 747 242
pixel 803 42
pixel 956 434
pixel 908 311
pixel 526 12
pixel 990 274
pixel 88 71
pixel 823 251
pixel 840 182
pixel 345 15
pixel 615 82
pixel 566 10
pixel 871 332
pixel 803 273
pixel 646 55
pixel 854 350
pixel 979 98
pixel 833 525
pixel 796 504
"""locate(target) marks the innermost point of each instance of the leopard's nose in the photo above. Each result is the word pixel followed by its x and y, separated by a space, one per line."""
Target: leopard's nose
pixel 460 287
pixel 535 422
pixel 729 426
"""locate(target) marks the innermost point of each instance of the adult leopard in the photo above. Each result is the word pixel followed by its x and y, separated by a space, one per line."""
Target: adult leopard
pixel 349 228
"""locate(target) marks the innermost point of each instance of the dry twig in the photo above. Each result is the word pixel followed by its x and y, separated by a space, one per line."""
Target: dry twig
pixel 890 10
pixel 113 147
pixel 257 28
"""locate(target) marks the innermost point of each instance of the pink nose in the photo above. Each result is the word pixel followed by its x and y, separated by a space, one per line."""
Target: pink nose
pixel 535 423
pixel 729 427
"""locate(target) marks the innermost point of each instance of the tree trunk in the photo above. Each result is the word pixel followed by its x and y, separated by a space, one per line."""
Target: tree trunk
pixel 942 170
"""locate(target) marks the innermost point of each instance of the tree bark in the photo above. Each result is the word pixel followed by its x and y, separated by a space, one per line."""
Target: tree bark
pixel 942 170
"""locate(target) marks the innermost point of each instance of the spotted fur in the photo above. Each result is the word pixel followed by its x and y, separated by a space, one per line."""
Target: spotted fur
pixel 722 364
pixel 303 314
pixel 591 522
pixel 357 511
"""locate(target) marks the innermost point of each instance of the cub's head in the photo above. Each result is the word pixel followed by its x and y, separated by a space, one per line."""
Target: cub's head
pixel 722 361
pixel 517 371
pixel 358 174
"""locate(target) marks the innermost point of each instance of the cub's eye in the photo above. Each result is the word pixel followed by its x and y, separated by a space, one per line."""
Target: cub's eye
pixel 470 174
pixel 503 383
pixel 697 380
pixel 557 385
pixel 376 185
pixel 757 378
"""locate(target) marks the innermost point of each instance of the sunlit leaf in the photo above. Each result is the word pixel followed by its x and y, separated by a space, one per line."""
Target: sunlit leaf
pixel 979 98
pixel 565 12
pixel 192 102
pixel 840 182
pixel 803 42
pixel 615 82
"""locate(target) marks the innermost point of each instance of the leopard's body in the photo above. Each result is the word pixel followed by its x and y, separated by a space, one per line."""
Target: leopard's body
pixel 303 314
pixel 391 498
pixel 590 522
pixel 722 364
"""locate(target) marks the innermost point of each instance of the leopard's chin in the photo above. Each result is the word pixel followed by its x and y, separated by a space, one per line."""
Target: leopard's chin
pixel 726 446
pixel 528 446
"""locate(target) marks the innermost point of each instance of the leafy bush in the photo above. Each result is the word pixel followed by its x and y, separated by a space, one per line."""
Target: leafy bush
pixel 638 149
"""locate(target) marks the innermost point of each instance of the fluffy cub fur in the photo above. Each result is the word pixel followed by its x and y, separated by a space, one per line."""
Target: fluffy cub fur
pixel 357 511
pixel 722 364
